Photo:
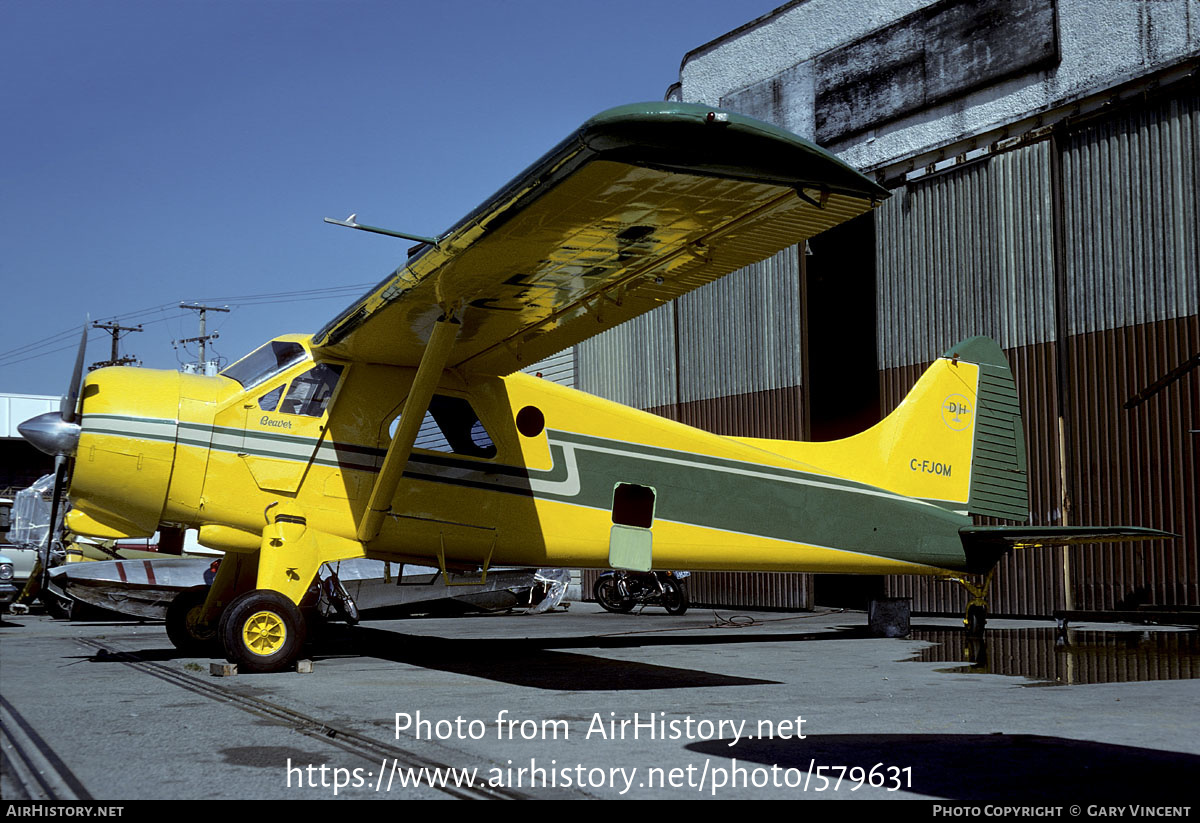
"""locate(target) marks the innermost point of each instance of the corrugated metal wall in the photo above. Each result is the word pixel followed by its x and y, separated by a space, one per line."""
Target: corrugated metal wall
pixel 738 336
pixel 968 252
pixel 739 352
pixel 1092 237
pixel 759 590
pixel 557 368
pixel 1132 268
pixel 1131 217
pixel 973 251
pixel 741 334
pixel 634 363
pixel 965 253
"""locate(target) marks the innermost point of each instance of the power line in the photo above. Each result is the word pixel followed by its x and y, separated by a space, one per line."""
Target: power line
pixel 115 330
pixel 203 338
pixel 15 359
pixel 13 356
pixel 70 332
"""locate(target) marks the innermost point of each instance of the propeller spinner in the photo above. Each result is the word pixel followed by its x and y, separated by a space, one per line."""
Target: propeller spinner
pixel 57 434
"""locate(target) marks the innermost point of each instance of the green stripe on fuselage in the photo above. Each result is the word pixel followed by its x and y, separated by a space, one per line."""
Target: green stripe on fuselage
pixel 701 490
pixel 771 502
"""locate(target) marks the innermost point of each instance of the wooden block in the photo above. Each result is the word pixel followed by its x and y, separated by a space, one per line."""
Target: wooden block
pixel 304 666
pixel 222 669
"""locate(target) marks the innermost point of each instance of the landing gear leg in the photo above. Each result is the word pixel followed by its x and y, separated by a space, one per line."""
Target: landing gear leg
pixel 262 628
pixel 975 619
pixel 193 618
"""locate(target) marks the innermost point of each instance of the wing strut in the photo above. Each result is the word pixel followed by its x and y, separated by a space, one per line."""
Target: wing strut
pixel 433 361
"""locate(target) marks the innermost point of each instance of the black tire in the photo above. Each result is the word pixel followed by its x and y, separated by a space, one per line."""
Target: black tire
pixel 262 631
pixel 605 592
pixel 975 620
pixel 185 630
pixel 675 599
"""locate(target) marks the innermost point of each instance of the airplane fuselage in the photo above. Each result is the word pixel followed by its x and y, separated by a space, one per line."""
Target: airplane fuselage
pixel 513 470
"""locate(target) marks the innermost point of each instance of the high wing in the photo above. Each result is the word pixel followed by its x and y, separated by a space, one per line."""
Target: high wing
pixel 641 204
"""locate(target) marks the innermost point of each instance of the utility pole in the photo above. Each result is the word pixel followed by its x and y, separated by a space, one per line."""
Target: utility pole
pixel 115 330
pixel 203 338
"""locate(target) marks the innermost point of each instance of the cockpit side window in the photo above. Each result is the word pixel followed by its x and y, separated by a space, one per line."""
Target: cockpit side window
pixel 310 393
pixel 264 363
pixel 270 400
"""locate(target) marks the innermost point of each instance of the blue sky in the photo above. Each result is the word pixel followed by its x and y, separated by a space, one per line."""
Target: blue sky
pixel 158 152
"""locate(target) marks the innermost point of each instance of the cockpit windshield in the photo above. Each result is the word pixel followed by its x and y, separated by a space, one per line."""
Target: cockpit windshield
pixel 265 362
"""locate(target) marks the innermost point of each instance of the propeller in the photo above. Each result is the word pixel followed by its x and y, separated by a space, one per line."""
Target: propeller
pixel 69 407
pixel 57 434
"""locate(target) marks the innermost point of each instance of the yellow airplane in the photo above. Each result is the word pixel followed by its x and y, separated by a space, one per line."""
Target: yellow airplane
pixel 404 431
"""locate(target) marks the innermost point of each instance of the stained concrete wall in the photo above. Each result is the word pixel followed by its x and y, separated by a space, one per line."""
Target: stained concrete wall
pixel 888 79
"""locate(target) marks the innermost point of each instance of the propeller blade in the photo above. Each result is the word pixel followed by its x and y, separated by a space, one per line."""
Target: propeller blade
pixel 70 402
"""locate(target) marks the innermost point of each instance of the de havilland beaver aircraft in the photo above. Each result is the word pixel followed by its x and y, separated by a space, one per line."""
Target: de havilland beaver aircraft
pixel 404 430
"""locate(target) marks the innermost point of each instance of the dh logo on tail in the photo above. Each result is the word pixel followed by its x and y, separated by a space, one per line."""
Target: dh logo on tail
pixel 956 412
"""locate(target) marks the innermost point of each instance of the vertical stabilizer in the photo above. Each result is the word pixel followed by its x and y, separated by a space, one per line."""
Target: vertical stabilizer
pixel 956 440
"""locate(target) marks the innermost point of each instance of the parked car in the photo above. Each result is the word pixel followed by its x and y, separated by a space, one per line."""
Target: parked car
pixel 22 560
pixel 8 592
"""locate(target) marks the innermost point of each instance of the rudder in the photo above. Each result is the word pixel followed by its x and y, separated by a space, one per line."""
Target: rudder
pixel 999 484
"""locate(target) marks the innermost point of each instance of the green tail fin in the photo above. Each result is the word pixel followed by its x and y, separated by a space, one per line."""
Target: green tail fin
pixel 999 486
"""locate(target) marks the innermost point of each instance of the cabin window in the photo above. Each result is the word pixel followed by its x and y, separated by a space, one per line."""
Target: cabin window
pixel 310 393
pixel 270 400
pixel 450 425
pixel 264 363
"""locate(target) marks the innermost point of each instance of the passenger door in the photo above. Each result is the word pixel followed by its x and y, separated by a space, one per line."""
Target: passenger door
pixel 284 427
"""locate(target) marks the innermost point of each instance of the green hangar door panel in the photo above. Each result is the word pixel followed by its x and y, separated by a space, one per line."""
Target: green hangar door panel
pixel 284 433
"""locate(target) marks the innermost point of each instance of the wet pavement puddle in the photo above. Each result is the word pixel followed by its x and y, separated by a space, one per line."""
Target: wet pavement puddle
pixel 1082 656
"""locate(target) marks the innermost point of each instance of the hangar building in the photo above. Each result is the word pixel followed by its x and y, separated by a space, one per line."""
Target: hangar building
pixel 20 463
pixel 1043 161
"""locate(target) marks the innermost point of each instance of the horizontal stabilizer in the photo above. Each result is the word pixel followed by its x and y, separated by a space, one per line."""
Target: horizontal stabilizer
pixel 985 545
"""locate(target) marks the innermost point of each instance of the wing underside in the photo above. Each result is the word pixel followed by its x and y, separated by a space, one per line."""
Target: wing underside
pixel 641 205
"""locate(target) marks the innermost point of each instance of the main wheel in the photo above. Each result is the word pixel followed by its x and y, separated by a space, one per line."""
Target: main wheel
pixel 674 599
pixel 606 594
pixel 975 620
pixel 184 628
pixel 262 631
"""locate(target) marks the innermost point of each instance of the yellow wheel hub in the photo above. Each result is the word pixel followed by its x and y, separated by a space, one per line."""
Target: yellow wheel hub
pixel 264 633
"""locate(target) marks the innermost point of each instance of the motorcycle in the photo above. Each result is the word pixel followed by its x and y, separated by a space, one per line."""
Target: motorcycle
pixel 619 591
